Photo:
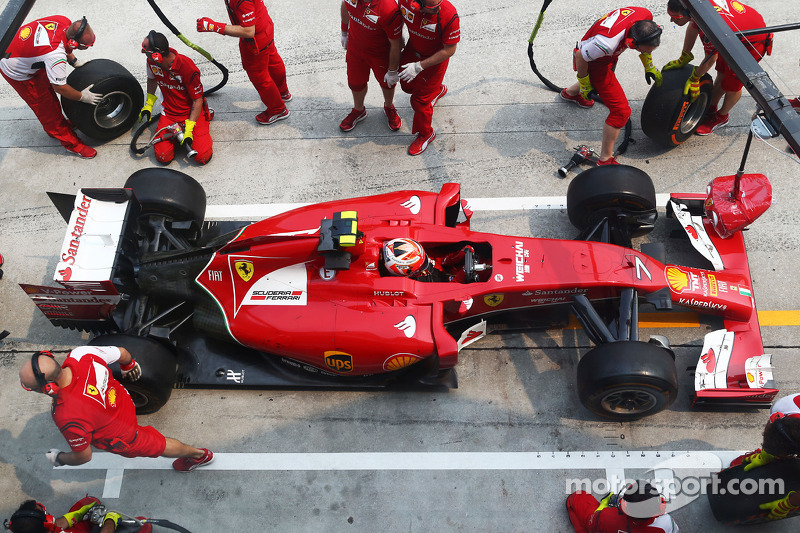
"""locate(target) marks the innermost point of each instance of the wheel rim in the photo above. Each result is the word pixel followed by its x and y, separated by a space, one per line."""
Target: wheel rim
pixel 114 109
pixel 694 114
pixel 629 401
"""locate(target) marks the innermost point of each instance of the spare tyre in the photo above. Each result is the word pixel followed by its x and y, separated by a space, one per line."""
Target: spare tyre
pixel 669 117
pixel 123 98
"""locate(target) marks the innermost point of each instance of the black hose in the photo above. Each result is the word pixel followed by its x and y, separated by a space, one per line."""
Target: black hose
pixel 141 129
pixel 194 47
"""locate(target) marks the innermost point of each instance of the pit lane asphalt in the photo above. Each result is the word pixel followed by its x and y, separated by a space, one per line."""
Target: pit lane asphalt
pixel 500 133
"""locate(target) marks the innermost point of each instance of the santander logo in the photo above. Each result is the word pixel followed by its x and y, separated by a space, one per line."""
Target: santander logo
pixel 709 359
pixel 65 274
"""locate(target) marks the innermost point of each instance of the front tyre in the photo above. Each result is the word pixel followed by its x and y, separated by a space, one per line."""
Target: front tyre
pixel 627 380
pixel 669 117
pixel 159 370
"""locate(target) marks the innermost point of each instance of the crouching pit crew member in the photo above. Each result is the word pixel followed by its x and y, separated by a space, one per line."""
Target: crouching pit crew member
pixel 595 58
pixel 91 408
pixel 179 80
pixel 638 508
pixel 727 87
pixel 35 65
pixel 83 516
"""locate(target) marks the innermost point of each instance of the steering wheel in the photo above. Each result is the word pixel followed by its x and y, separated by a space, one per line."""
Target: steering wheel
pixel 470 260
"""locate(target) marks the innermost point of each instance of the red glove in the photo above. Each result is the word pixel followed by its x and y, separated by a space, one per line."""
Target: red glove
pixel 205 24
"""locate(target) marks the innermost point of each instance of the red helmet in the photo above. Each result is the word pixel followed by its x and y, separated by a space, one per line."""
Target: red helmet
pixel 404 257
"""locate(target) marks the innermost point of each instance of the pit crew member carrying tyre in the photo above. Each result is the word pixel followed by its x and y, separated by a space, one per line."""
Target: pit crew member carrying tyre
pixel 32 517
pixel 595 58
pixel 372 32
pixel 91 408
pixel 251 23
pixel 727 86
pixel 433 32
pixel 781 441
pixel 638 508
pixel 35 65
pixel 179 80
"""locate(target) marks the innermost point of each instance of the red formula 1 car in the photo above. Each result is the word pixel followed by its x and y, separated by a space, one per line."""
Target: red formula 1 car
pixel 305 298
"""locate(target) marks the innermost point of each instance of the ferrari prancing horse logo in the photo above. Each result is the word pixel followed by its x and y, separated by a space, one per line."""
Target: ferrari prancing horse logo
pixel 244 269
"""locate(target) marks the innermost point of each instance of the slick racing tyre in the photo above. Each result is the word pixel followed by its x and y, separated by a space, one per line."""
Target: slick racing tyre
pixel 668 116
pixel 612 190
pixel 627 380
pixel 167 192
pixel 159 370
pixel 116 113
pixel 734 503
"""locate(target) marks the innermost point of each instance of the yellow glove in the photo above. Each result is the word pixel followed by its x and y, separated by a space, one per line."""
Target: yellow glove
pixel 779 508
pixel 680 62
pixel 76 516
pixel 605 502
pixel 756 459
pixel 650 72
pixel 586 86
pixel 148 107
pixel 692 87
pixel 113 516
pixel 187 130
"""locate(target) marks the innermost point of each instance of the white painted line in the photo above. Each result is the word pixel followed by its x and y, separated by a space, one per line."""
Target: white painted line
pixel 522 203
pixel 613 463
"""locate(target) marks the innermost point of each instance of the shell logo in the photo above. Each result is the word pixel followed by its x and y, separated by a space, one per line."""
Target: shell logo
pixel 678 279
pixel 736 6
pixel 112 397
pixel 750 377
pixel 400 360
pixel 710 360
pixel 25 33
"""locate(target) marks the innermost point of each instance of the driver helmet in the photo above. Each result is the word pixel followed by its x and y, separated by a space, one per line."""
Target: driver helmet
pixel 404 257
pixel 640 500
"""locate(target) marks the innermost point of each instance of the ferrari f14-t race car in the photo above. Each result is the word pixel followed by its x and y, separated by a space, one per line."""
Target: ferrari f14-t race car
pixel 306 298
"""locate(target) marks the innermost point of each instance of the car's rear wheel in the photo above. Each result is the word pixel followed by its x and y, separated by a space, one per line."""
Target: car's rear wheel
pixel 670 117
pixel 612 190
pixel 117 111
pixel 163 191
pixel 627 380
pixel 159 370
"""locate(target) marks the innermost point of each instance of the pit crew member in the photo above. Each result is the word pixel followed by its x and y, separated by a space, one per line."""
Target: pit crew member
pixel 91 408
pixel 372 31
pixel 35 65
pixel 639 508
pixel 727 86
pixel 179 80
pixel 433 32
pixel 252 25
pixel 595 58
pixel 781 441
pixel 32 517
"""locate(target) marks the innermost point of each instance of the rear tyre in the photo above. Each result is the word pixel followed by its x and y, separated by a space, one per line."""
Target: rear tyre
pixel 668 116
pixel 163 191
pixel 627 380
pixel 611 190
pixel 159 370
pixel 116 113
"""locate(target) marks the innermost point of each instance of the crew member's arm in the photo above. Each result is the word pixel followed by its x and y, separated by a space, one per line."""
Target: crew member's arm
pixel 205 24
pixel 74 458
pixel 439 57
pixel 345 16
pixel 395 47
pixel 690 37
pixel 197 108
pixel 242 32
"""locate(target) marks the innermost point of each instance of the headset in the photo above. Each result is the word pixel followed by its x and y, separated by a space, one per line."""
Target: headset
pixel 420 4
pixel 630 42
pixel 74 41
pixel 47 387
pixel 778 420
pixel 38 514
pixel 653 504
pixel 152 51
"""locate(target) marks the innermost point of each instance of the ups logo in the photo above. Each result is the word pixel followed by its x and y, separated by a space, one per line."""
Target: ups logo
pixel 339 361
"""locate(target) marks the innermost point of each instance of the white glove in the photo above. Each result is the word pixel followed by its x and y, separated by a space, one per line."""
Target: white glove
pixel 391 78
pixel 79 63
pixel 344 39
pixel 52 456
pixel 410 71
pixel 133 374
pixel 88 97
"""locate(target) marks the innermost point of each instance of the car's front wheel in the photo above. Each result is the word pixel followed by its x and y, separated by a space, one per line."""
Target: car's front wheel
pixel 159 370
pixel 627 380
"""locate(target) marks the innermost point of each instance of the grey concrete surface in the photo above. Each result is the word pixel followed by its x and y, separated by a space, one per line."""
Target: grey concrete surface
pixel 500 134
